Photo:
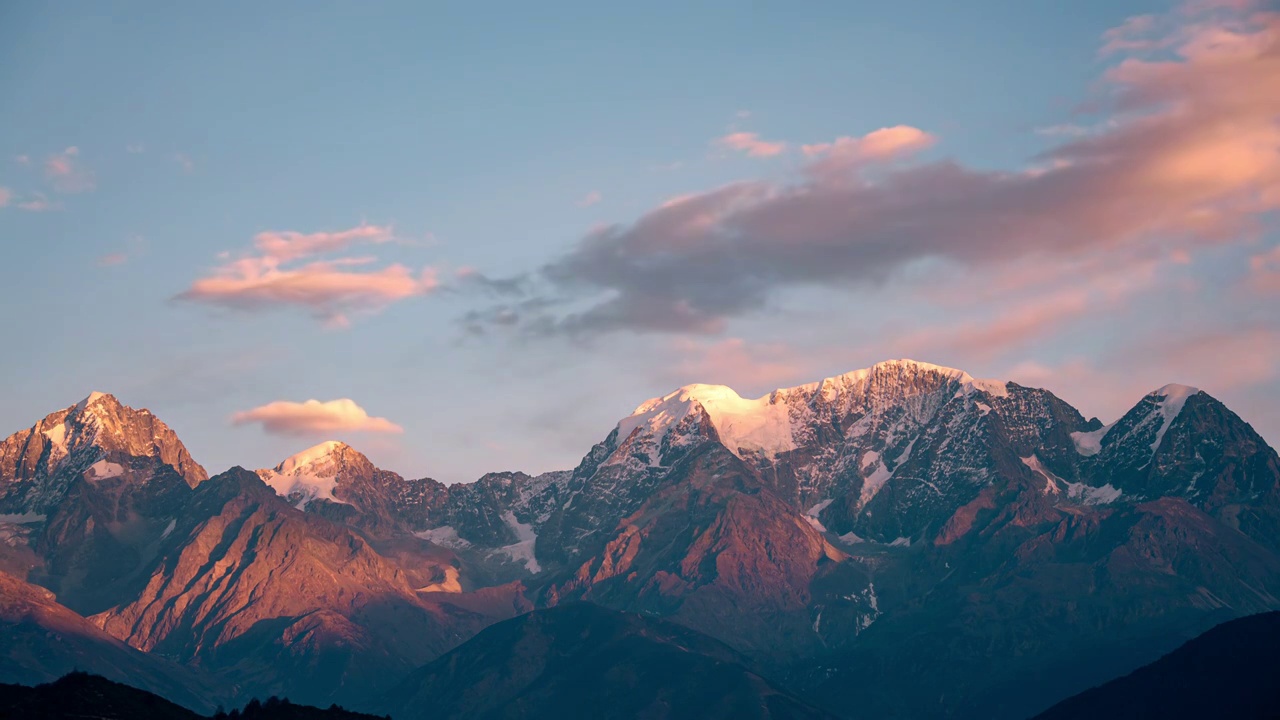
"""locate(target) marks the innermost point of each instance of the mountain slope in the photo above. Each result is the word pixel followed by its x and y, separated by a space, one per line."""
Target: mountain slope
pixel 43 641
pixel 586 661
pixel 1229 671
pixel 279 601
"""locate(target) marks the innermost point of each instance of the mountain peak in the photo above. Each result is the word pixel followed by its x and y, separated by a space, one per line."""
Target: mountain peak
pixel 313 473
pixel 312 455
pixel 92 398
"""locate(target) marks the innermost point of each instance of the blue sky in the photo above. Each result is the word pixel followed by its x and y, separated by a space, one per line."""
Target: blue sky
pixel 138 142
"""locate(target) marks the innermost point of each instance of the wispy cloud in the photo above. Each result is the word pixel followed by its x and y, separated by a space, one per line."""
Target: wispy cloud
pixel 112 259
pixel 67 173
pixel 314 417
pixel 751 144
pixel 5 196
pixel 590 199
pixel 329 289
pixel 185 162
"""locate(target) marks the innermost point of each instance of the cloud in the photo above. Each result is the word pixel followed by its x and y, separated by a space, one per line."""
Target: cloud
pixel 135 148
pixel 314 417
pixel 751 144
pixel 112 259
pixel 281 246
pixel 67 174
pixel 5 196
pixel 328 289
pixel 590 199
pixel 22 159
pixel 186 163
pixel 1189 155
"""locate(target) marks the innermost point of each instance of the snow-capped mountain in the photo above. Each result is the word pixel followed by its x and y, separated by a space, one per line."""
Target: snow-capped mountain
pixel 906 520
pixel 96 439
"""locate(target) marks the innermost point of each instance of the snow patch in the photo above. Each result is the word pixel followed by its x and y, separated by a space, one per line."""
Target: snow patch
pixel 901 542
pixel 93 397
pixel 444 535
pixel 1089 443
pixel 1090 495
pixel 872 483
pixel 1050 480
pixel 449 584
pixel 851 538
pixel 522 551
pixel 21 518
pixel 811 515
pixel 102 470
pixel 169 528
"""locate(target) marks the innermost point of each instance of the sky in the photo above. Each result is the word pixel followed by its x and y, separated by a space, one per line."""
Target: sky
pixel 469 239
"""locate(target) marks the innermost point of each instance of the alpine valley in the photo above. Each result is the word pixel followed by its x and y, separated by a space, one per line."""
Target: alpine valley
pixel 903 541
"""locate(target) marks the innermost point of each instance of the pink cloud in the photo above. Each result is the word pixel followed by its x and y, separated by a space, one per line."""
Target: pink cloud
pixel 185 162
pixel 112 259
pixel 1189 157
pixel 590 199
pixel 751 144
pixel 876 145
pixel 314 417
pixel 66 173
pixel 329 289
pixel 281 246
pixel 5 196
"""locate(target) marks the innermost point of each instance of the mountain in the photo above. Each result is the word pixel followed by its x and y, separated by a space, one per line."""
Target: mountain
pixel 1229 671
pixel 899 541
pixel 43 641
pixel 584 661
pixel 480 522
pixel 97 485
pixel 279 601
pixel 81 695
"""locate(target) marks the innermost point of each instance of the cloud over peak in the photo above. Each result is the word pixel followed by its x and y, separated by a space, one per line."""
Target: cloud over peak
pixel 314 417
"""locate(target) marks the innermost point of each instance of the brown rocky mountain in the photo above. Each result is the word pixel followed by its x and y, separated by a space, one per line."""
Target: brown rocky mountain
pixel 276 601
pixel 97 486
pixel 579 660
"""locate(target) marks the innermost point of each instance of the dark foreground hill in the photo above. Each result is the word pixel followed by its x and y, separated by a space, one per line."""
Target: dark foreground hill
pixel 81 695
pixel 1230 671
pixel 582 660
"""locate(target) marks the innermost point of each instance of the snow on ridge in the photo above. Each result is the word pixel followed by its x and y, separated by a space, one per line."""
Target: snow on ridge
pixel 761 424
pixel 309 475
pixel 1172 398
